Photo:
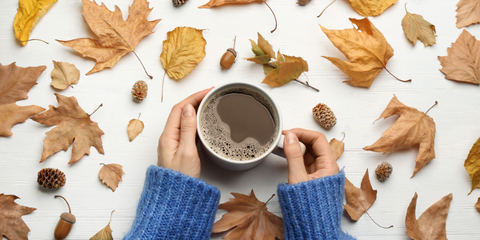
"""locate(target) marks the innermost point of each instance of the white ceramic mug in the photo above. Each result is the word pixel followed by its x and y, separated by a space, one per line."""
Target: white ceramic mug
pixel 235 165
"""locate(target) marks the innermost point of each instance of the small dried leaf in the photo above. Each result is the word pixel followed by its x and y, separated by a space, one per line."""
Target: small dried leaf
pixel 478 204
pixel 11 114
pixel 29 12
pixel 134 128
pixel 111 175
pixel 11 224
pixel 359 200
pixel 468 13
pixel 105 233
pixel 337 148
pixel 432 223
pixel 63 75
pixel 415 27
pixel 371 8
pixel 472 165
pixel 218 3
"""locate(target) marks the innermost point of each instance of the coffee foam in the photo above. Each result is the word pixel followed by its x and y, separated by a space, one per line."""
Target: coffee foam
pixel 217 134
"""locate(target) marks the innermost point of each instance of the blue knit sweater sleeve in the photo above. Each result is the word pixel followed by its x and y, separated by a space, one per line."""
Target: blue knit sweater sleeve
pixel 174 206
pixel 312 210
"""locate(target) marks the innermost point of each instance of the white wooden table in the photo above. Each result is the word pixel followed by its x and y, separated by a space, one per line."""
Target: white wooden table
pixel 456 116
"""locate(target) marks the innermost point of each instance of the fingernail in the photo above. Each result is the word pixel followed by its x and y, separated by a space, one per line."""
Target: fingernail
pixel 188 110
pixel 291 138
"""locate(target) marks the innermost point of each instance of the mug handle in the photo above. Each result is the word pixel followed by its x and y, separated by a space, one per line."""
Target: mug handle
pixel 279 148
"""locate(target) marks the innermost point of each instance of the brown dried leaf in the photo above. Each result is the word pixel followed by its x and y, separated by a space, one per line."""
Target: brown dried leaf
pixel 116 37
pixel 462 62
pixel 412 128
pixel 417 28
pixel 105 233
pixel 11 114
pixel 11 224
pixel 218 3
pixel 359 200
pixel 472 165
pixel 337 148
pixel 478 204
pixel 371 8
pixel 135 127
pixel 111 175
pixel 468 12
pixel 432 223
pixel 15 82
pixel 249 218
pixel 63 75
pixel 73 125
pixel 365 47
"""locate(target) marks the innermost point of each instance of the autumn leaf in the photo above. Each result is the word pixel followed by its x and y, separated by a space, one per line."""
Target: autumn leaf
pixel 111 175
pixel 472 165
pixel 29 12
pixel 116 37
pixel 15 82
pixel 183 50
pixel 468 12
pixel 369 8
pixel 359 200
pixel 105 233
pixel 249 219
pixel 337 148
pixel 412 128
pixel 432 223
pixel 365 47
pixel 63 75
pixel 477 205
pixel 11 224
pixel 415 27
pixel 73 125
pixel 218 3
pixel 462 62
pixel 135 127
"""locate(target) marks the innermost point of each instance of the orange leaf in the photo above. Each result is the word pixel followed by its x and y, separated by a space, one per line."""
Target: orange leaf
pixel 218 3
pixel 468 12
pixel 249 218
pixel 412 128
pixel 462 63
pixel 11 225
pixel 432 223
pixel 371 8
pixel 359 200
pixel 116 37
pixel 73 125
pixel 111 175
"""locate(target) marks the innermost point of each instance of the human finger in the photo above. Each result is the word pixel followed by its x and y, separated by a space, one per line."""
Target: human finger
pixel 188 128
pixel 293 152
pixel 317 140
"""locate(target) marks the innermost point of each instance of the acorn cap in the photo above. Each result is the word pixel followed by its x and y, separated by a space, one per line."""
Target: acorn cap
pixel 232 51
pixel 68 217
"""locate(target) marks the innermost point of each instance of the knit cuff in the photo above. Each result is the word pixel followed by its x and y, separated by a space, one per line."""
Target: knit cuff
pixel 174 206
pixel 312 210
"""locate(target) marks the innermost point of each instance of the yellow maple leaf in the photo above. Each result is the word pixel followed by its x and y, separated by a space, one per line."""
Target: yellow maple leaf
pixel 29 12
pixel 472 165
pixel 371 8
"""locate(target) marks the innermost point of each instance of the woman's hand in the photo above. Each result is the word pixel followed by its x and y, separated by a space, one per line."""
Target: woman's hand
pixel 318 160
pixel 176 146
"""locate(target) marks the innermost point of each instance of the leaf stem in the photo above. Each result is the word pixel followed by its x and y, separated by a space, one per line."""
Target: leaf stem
pixel 37 39
pixel 401 80
pixel 436 102
pixel 306 84
pixel 269 199
pixel 96 109
pixel 273 16
pixel 377 223
pixel 69 210
pixel 140 114
pixel 343 136
pixel 326 8
pixel 163 83
pixel 111 214
pixel 142 65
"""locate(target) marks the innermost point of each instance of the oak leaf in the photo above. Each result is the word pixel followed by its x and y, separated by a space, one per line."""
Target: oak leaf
pixel 412 128
pixel 63 75
pixel 432 223
pixel 135 127
pixel 472 165
pixel 368 8
pixel 105 233
pixel 359 200
pixel 477 205
pixel 337 148
pixel 416 28
pixel 11 224
pixel 111 175
pixel 462 62
pixel 218 3
pixel 15 82
pixel 29 12
pixel 116 37
pixel 468 12
pixel 249 218
pixel 73 125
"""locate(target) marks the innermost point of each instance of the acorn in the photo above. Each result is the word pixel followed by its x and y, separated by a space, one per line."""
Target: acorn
pixel 229 57
pixel 65 223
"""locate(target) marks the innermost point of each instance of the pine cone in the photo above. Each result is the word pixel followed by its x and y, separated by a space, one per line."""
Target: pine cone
pixel 51 178
pixel 139 91
pixel 178 2
pixel 383 171
pixel 324 116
